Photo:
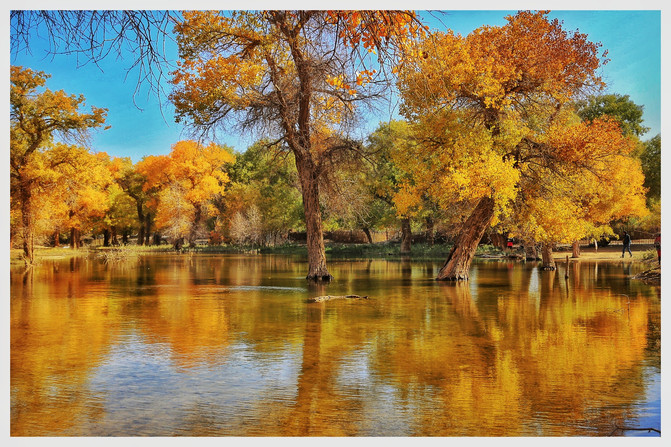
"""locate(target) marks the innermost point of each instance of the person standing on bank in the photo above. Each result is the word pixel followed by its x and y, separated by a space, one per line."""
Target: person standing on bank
pixel 626 244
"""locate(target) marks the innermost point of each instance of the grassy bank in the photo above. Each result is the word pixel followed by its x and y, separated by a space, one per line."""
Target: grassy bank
pixel 335 250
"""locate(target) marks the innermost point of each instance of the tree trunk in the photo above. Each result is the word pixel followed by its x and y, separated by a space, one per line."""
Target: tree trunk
pixel 307 172
pixel 369 236
pixel 498 240
pixel 74 238
pixel 147 228
pixel 140 218
pixel 576 249
pixel 430 233
pixel 530 251
pixel 115 240
pixel 406 236
pixel 25 194
pixel 548 260
pixel 459 260
pixel 57 236
pixel 106 237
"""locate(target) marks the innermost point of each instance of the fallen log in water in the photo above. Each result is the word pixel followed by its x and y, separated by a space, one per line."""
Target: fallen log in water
pixel 654 275
pixel 319 299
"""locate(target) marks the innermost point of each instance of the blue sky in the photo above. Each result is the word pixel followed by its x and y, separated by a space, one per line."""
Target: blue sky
pixel 633 39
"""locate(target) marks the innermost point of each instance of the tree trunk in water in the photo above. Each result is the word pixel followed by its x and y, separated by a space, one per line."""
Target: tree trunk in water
pixel 576 249
pixel 406 236
pixel 548 260
pixel 369 236
pixel 307 172
pixel 459 260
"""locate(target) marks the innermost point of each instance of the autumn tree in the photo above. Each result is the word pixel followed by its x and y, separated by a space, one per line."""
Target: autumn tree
pixel 131 182
pixel 481 105
pixel 188 179
pixel 600 181
pixel 296 76
pixel 38 116
pixel 83 188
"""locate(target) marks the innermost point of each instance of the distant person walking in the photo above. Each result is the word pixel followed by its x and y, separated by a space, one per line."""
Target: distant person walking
pixel 658 247
pixel 626 244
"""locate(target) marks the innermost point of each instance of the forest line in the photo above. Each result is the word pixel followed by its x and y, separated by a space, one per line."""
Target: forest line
pixel 505 131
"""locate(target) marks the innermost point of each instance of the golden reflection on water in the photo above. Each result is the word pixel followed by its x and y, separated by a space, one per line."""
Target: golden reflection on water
pixel 227 345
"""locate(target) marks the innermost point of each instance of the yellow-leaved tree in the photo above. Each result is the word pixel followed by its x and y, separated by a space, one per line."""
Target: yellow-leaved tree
pixel 37 117
pixel 600 182
pixel 296 76
pixel 188 179
pixel 489 114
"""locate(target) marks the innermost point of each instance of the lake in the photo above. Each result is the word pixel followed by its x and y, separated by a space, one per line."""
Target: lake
pixel 227 345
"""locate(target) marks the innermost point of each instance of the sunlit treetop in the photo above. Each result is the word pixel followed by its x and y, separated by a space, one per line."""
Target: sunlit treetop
pixel 287 72
pixel 494 69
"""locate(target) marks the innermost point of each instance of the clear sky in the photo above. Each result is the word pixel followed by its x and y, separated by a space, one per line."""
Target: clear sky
pixel 632 37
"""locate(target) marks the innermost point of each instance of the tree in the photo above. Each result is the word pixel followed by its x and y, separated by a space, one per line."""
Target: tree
pixel 83 188
pixel 94 35
pixel 604 184
pixel 481 105
pixel 263 176
pixel 188 178
pixel 618 107
pixel 131 181
pixel 651 161
pixel 294 75
pixel 37 117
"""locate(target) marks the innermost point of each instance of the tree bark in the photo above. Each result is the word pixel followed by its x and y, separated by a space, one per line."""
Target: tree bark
pixel 147 229
pixel 25 194
pixel 459 260
pixel 106 237
pixel 430 233
pixel 140 218
pixel 57 236
pixel 406 236
pixel 576 249
pixel 548 260
pixel 115 240
pixel 530 251
pixel 308 175
pixel 74 238
pixel 369 236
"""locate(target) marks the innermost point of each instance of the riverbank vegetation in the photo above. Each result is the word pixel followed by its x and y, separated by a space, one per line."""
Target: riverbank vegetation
pixel 506 135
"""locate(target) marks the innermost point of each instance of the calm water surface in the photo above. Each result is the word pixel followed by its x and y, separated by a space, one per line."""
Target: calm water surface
pixel 227 345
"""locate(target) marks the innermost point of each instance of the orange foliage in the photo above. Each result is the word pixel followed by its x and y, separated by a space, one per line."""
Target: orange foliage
pixel 188 178
pixel 490 111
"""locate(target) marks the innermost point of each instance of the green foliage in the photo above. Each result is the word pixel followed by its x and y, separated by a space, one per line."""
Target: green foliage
pixel 620 107
pixel 651 162
pixel 263 182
